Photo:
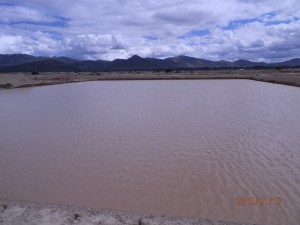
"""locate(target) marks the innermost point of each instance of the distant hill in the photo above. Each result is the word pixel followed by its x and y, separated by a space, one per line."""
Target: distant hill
pixel 135 63
pixel 17 59
pixel 47 65
pixel 292 62
pixel 29 63
pixel 191 62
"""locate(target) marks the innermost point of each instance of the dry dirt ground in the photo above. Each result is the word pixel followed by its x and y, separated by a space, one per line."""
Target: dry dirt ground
pixel 18 80
pixel 28 213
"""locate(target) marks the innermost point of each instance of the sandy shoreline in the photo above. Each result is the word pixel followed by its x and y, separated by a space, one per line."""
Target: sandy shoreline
pixel 20 80
pixel 30 213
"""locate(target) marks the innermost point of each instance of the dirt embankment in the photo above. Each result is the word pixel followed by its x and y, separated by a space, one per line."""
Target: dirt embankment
pixel 19 80
pixel 28 213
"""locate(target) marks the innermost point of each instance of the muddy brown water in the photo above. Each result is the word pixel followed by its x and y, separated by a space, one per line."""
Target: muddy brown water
pixel 180 148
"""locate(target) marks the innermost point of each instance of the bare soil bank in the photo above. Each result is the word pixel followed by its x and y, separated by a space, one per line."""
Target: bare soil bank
pixel 19 80
pixel 28 213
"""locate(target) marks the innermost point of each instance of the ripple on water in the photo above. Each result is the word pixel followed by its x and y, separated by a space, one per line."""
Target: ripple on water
pixel 184 148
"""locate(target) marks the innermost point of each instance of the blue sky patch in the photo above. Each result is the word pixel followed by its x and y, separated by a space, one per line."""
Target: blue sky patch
pixel 195 33
pixel 59 23
pixel 151 38
pixel 7 4
pixel 276 22
pixel 237 23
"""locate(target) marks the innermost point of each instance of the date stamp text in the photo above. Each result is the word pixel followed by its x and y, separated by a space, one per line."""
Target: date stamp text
pixel 259 200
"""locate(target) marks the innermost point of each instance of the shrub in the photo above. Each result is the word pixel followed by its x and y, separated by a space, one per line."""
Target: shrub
pixel 7 85
pixel 35 73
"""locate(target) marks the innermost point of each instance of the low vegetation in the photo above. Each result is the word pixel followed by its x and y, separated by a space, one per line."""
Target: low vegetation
pixel 6 86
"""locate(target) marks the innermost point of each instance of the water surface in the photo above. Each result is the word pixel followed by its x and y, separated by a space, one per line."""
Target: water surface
pixel 181 148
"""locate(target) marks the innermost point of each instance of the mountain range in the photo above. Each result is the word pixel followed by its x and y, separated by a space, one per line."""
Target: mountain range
pixel 29 63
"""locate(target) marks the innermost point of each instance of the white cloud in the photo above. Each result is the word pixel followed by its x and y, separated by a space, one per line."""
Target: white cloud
pixel 19 13
pixel 108 29
pixel 39 44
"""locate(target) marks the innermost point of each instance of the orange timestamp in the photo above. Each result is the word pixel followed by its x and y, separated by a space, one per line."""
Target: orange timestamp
pixel 258 200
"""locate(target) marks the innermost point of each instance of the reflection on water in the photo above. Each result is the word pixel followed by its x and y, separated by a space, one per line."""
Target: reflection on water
pixel 183 148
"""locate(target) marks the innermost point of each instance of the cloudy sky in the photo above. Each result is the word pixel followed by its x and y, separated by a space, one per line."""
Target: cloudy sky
pixel 258 30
